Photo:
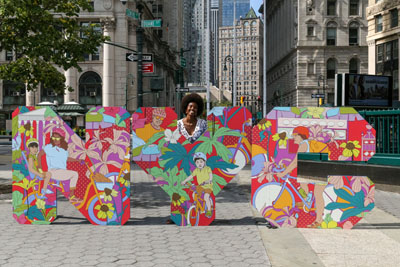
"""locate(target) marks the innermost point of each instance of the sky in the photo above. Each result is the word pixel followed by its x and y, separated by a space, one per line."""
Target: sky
pixel 255 4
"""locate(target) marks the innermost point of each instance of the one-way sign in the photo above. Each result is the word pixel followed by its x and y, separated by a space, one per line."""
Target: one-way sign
pixel 134 57
pixel 318 96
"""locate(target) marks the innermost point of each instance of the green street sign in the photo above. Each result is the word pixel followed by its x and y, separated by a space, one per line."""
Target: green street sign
pixel 132 14
pixel 151 23
pixel 183 62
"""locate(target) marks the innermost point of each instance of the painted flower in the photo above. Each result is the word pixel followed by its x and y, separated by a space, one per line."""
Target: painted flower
pixel 337 181
pixel 264 124
pixel 315 112
pixel 358 182
pixel 105 210
pixel 348 225
pixel 40 204
pixel 124 180
pixel 290 219
pixel 109 194
pixel 172 137
pixel 96 140
pixel 179 201
pixel 116 143
pixel 282 137
pixel 329 225
pixel 16 143
pixel 77 149
pixel 350 148
pixel 137 123
pixel 26 184
pixel 370 198
pixel 102 165
pixel 27 129
pixel 266 172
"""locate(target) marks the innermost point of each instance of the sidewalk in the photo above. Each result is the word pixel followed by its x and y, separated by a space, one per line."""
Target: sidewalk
pixel 237 237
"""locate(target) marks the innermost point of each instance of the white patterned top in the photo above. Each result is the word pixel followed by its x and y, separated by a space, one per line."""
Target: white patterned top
pixel 201 127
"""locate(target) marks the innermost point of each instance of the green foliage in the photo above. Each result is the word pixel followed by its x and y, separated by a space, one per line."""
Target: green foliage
pixel 40 38
pixel 17 203
pixel 208 143
pixel 218 181
pixel 17 176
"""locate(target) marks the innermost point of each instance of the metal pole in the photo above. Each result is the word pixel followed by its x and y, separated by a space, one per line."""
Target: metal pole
pixel 139 43
pixel 232 81
pixel 265 60
pixel 208 55
pixel 234 52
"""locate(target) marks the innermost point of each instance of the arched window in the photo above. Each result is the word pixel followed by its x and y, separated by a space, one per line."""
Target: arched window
pixel 90 85
pixel 330 68
pixel 353 66
pixel 331 29
pixel 353 33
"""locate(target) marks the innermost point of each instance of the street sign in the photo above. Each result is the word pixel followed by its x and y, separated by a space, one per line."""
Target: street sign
pixel 132 14
pixel 151 23
pixel 183 62
pixel 148 67
pixel 134 57
pixel 318 96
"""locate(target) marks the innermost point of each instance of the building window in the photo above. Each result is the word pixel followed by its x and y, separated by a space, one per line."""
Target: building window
pixel 310 68
pixel 90 89
pixel 96 28
pixel 353 66
pixel 378 23
pixel 9 55
pixel 331 8
pixel 331 34
pixel 310 30
pixel 330 68
pixel 13 93
pixel 353 33
pixel 353 7
pixel 394 18
pixel 157 9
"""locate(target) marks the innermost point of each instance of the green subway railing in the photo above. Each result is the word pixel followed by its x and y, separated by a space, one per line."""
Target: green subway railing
pixel 387 126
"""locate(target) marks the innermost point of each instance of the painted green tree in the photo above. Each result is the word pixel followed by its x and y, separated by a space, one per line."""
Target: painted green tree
pixel 45 37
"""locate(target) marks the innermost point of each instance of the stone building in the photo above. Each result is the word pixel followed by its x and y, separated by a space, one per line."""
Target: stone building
pixel 248 59
pixel 383 40
pixel 308 42
pixel 107 78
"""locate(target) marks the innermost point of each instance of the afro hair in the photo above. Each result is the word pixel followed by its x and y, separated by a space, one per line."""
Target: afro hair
pixel 193 97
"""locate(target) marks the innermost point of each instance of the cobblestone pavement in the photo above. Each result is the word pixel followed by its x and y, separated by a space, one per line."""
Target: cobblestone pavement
pixel 232 240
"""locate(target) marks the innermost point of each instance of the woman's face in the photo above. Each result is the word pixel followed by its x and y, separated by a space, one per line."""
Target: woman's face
pixel 297 139
pixel 56 139
pixel 192 109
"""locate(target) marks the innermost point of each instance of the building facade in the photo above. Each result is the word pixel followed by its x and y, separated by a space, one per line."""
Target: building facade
pixel 308 42
pixel 227 7
pixel 107 78
pixel 383 40
pixel 248 59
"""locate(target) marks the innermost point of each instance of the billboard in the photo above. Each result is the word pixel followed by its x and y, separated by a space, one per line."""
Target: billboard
pixel 363 90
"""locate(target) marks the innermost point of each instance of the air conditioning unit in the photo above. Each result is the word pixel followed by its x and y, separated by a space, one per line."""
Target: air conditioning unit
pixel 15 93
pixel 92 93
pixel 51 93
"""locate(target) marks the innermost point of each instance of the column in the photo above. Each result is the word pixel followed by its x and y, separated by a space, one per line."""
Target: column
pixel 70 81
pixel 108 64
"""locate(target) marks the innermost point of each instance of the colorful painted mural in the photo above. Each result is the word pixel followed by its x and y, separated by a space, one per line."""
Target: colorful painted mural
pixel 339 132
pixel 48 156
pixel 192 174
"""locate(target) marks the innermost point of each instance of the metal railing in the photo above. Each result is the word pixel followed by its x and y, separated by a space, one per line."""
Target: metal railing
pixel 387 126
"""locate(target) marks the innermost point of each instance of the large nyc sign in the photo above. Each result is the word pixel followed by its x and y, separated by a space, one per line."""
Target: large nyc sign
pixel 94 175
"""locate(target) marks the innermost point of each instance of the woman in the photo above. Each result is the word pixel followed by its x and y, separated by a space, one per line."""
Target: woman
pixel 192 127
pixel 57 158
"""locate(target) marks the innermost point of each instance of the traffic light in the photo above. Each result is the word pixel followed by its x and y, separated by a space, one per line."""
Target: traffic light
pixel 241 100
pixel 320 101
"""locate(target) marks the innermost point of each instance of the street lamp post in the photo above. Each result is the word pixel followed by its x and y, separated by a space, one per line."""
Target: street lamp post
pixel 321 78
pixel 129 76
pixel 229 58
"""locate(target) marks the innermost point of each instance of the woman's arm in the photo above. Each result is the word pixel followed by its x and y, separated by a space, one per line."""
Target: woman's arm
pixel 293 164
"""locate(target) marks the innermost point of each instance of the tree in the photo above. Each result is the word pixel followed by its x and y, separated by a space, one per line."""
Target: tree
pixel 44 35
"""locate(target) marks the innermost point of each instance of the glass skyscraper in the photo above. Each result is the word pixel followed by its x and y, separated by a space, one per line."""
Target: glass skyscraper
pixel 242 7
